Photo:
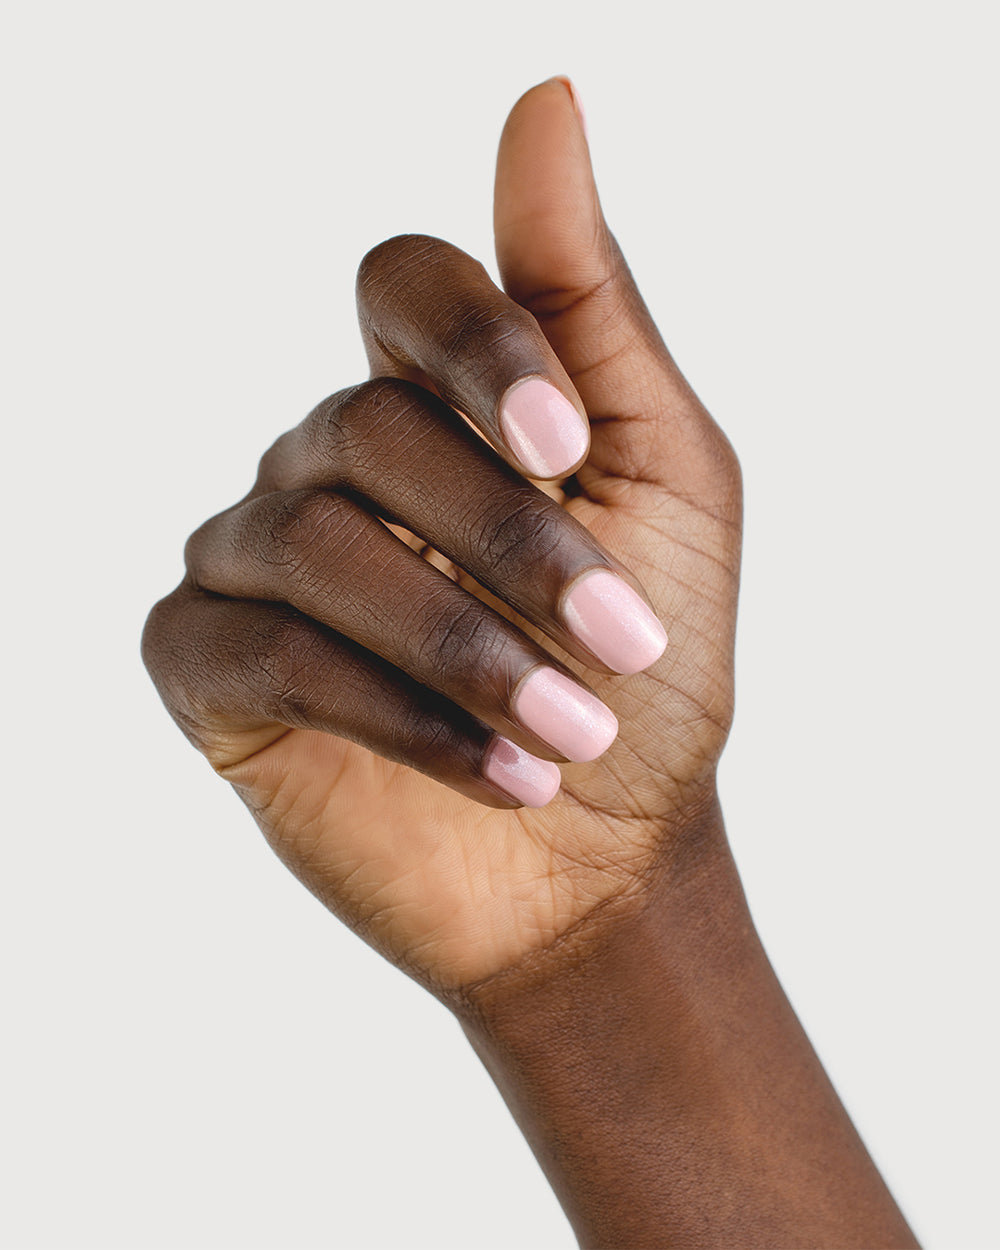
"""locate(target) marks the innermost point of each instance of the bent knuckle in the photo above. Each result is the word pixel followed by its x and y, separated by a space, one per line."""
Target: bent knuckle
pixel 369 415
pixel 386 260
pixel 304 528
pixel 331 428
pixel 159 634
pixel 199 547
pixel 464 641
pixel 379 402
pixel 478 329
pixel 281 466
pixel 274 465
pixel 422 734
pixel 522 539
pixel 184 653
pixel 285 662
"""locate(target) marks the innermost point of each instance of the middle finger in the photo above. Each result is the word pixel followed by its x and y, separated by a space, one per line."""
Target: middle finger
pixel 418 462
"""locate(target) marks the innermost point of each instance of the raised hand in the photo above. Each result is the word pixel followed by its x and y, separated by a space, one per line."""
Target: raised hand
pixel 428 651
pixel 319 662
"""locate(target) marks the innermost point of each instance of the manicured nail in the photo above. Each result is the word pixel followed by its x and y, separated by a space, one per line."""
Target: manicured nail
pixel 519 774
pixel 572 721
pixel 613 622
pixel 575 97
pixel 542 428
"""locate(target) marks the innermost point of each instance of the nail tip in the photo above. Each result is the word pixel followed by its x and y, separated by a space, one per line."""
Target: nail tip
pixel 659 646
pixel 545 783
pixel 594 752
pixel 643 661
pixel 546 796
pixel 603 741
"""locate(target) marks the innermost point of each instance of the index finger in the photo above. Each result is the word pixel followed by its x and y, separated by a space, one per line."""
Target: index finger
pixel 430 312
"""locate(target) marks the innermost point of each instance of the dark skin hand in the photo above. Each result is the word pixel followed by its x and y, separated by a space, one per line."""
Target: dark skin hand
pixel 397 637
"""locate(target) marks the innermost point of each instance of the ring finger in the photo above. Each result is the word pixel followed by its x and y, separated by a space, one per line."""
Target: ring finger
pixel 324 555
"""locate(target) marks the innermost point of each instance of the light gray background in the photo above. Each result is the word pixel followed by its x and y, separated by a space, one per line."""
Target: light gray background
pixel 194 1054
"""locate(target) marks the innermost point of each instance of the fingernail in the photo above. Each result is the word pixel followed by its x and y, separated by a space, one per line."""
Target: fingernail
pixel 570 719
pixel 522 776
pixel 542 428
pixel 613 622
pixel 575 97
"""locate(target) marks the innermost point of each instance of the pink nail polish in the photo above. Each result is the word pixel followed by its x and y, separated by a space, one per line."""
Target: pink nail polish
pixel 563 714
pixel 519 774
pixel 542 428
pixel 613 622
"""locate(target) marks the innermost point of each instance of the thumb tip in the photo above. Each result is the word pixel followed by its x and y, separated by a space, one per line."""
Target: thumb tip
pixel 567 83
pixel 548 98
pixel 543 162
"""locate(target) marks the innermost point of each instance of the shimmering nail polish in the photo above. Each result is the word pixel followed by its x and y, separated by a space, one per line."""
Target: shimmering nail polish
pixel 613 622
pixel 522 776
pixel 542 428
pixel 570 719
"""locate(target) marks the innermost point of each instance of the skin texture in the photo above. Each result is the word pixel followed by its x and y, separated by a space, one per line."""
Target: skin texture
pixel 353 634
pixel 455 890
pixel 666 1086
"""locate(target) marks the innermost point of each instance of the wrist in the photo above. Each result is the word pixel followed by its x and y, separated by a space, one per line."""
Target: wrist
pixel 664 1082
pixel 693 872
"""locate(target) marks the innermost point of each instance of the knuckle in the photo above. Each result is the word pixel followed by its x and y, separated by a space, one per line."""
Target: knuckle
pixel 377 401
pixel 159 633
pixel 416 737
pixel 465 640
pixel 480 329
pixel 303 528
pixel 184 655
pixel 430 735
pixel 334 433
pixel 327 427
pixel 340 428
pixel 198 547
pixel 281 465
pixel 272 468
pixel 387 259
pixel 524 538
pixel 330 428
pixel 286 663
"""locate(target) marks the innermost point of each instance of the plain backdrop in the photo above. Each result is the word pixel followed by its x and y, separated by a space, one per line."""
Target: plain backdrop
pixel 194 1053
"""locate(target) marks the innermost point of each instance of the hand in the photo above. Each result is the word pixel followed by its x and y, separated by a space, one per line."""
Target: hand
pixel 337 679
pixel 594 943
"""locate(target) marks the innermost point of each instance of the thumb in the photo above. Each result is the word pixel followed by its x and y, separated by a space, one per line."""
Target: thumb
pixel 559 260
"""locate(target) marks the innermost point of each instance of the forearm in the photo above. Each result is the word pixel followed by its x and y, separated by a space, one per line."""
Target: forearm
pixel 667 1088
